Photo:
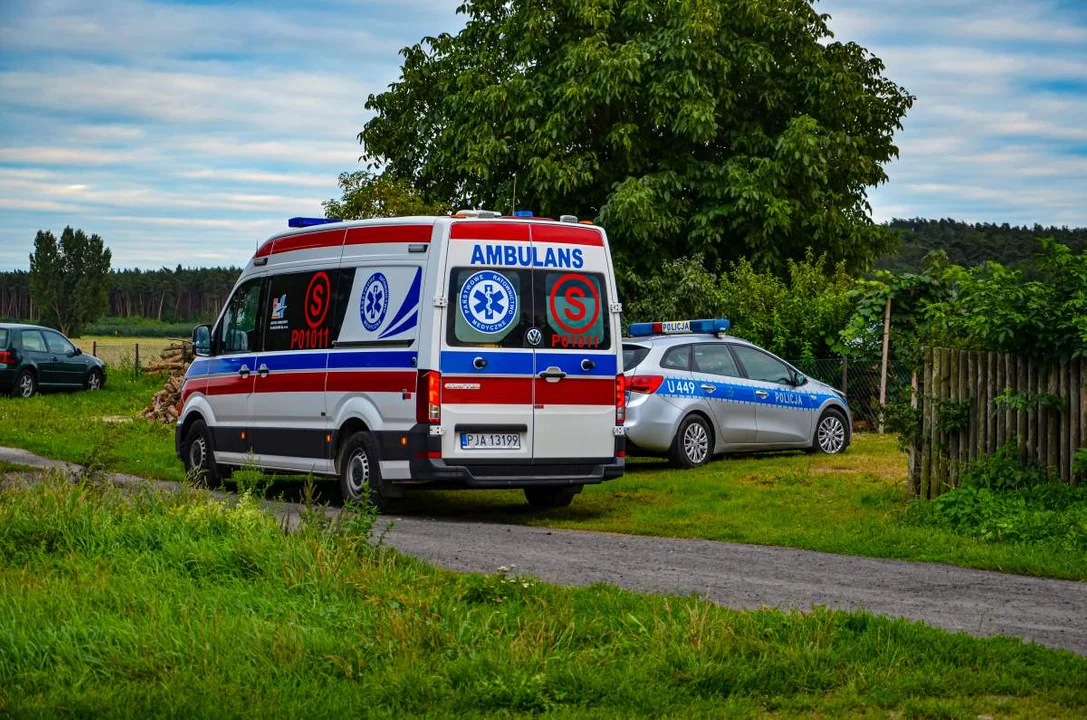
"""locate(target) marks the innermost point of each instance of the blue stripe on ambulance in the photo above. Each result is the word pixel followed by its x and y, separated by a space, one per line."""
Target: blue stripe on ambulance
pixel 296 361
pixel 505 362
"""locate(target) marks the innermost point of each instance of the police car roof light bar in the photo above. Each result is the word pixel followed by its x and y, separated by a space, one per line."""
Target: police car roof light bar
pixel 301 222
pixel 712 327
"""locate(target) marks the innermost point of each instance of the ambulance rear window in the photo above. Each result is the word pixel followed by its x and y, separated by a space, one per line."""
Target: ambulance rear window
pixel 577 310
pixel 488 307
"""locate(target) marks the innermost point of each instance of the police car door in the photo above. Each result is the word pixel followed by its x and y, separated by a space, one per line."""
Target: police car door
pixel 576 344
pixel 730 397
pixel 486 361
pixel 781 413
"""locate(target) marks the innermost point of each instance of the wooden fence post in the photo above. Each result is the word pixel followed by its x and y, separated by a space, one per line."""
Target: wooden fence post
pixel 883 362
pixel 1021 415
pixel 136 362
pixel 913 487
pixel 953 390
pixel 1065 464
pixel 927 401
pixel 1053 458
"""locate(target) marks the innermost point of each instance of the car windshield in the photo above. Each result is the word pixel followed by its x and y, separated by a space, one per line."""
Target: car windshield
pixel 633 356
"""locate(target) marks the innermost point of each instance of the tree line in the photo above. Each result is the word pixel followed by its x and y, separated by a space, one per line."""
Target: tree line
pixel 178 295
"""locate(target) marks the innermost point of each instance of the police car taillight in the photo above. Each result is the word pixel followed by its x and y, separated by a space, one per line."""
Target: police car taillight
pixel 645 384
pixel 718 325
pixel 620 399
pixel 428 399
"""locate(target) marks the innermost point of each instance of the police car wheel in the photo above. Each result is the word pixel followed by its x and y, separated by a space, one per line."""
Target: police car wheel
pixel 198 454
pixel 550 497
pixel 360 473
pixel 693 444
pixel 831 436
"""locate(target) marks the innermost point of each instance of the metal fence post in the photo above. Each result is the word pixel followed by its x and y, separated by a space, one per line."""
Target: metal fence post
pixel 136 363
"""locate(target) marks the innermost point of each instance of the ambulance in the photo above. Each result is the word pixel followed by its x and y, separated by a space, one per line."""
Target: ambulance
pixel 468 351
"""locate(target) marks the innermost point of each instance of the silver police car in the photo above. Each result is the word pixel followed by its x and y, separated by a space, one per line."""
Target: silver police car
pixel 694 392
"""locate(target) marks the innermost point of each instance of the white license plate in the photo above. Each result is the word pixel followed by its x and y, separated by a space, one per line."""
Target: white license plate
pixel 490 441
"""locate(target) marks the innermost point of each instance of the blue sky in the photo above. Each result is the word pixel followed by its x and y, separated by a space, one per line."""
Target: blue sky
pixel 186 132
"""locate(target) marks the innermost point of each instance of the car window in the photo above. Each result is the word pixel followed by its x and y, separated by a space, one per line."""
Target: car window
pixel 715 359
pixel 677 358
pixel 3 338
pixel 577 310
pixel 763 367
pixel 58 344
pixel 239 330
pixel 304 311
pixel 491 308
pixel 32 340
pixel 633 356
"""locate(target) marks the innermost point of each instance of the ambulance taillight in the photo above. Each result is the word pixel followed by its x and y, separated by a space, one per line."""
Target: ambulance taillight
pixel 428 399
pixel 620 399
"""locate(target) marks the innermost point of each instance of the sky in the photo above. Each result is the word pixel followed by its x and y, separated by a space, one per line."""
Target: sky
pixel 187 132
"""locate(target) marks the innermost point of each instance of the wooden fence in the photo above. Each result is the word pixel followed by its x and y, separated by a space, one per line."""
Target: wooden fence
pixel 961 419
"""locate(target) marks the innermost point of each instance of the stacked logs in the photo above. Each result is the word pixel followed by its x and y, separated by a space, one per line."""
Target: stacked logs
pixel 166 403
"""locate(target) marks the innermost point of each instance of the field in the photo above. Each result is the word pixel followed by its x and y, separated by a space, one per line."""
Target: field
pixel 852 504
pixel 120 351
pixel 147 604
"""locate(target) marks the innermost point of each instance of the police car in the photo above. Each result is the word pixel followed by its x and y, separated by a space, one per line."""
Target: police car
pixel 428 352
pixel 695 392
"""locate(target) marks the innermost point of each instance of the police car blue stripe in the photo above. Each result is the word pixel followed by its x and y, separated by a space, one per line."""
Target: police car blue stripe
pixel 744 394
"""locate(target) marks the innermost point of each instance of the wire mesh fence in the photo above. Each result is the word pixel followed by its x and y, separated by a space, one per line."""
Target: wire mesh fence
pixel 125 353
pixel 860 382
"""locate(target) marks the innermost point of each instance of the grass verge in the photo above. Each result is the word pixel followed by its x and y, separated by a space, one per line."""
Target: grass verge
pixel 850 504
pixel 174 604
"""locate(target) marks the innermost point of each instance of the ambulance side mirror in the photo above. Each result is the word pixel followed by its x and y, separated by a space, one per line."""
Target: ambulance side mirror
pixel 201 340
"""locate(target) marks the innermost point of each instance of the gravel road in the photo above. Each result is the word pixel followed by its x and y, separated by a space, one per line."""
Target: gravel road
pixel 1049 612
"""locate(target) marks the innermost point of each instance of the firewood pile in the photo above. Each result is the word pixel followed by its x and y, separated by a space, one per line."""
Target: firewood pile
pixel 166 403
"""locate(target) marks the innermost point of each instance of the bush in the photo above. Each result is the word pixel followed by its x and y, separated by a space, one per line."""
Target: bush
pixel 1004 500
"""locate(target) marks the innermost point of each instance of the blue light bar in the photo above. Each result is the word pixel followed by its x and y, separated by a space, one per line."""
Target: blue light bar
pixel 712 327
pixel 522 213
pixel 299 222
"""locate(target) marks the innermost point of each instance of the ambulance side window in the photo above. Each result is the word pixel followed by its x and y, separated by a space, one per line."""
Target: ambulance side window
pixel 576 306
pixel 301 312
pixel 489 307
pixel 239 331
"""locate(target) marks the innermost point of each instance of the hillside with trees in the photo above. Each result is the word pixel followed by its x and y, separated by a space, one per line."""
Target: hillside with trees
pixel 970 244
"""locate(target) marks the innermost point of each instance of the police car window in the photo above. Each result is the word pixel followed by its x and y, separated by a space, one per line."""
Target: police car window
pixel 677 358
pixel 762 367
pixel 302 311
pixel 239 331
pixel 57 344
pixel 576 307
pixel 715 359
pixel 489 307
pixel 32 340
pixel 633 356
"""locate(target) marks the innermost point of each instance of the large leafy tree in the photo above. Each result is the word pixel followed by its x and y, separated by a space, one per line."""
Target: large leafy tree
pixel 728 128
pixel 372 195
pixel 69 280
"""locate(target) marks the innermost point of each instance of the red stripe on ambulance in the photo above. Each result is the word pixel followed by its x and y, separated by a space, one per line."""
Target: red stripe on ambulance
pixel 476 390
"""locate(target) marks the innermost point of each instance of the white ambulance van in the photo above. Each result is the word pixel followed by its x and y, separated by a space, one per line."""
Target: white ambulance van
pixel 425 352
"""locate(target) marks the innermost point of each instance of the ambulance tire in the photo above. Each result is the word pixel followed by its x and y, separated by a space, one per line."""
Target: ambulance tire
pixel 197 452
pixel 693 444
pixel 544 498
pixel 360 472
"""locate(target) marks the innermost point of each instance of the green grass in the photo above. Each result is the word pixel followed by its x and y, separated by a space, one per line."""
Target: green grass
pixel 149 604
pixel 851 504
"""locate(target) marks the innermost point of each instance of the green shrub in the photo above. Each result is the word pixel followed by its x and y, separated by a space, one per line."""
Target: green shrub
pixel 139 327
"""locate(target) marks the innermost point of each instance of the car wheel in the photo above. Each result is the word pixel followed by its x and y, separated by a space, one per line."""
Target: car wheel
pixel 360 473
pixel 831 434
pixel 550 497
pixel 94 379
pixel 198 455
pixel 25 385
pixel 693 444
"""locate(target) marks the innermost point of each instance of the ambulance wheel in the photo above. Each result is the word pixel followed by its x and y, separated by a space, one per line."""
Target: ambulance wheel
pixel 360 473
pixel 544 498
pixel 197 453
pixel 693 444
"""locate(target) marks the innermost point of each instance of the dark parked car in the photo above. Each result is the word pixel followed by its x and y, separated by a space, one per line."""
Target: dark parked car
pixel 35 358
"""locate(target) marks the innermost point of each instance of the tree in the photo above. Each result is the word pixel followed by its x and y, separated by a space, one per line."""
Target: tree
pixel 70 280
pixel 368 195
pixel 725 128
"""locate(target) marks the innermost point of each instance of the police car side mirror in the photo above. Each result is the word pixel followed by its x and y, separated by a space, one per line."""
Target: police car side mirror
pixel 201 340
pixel 799 379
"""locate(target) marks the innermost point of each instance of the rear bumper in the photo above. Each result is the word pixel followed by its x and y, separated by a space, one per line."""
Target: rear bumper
pixel 7 378
pixel 430 471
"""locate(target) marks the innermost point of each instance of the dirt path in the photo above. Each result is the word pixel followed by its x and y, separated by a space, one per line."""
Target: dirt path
pixel 1049 612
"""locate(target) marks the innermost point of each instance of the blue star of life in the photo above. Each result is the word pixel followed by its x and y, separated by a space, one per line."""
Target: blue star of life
pixel 488 302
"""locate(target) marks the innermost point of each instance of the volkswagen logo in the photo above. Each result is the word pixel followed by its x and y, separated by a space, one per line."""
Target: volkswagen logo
pixel 534 336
